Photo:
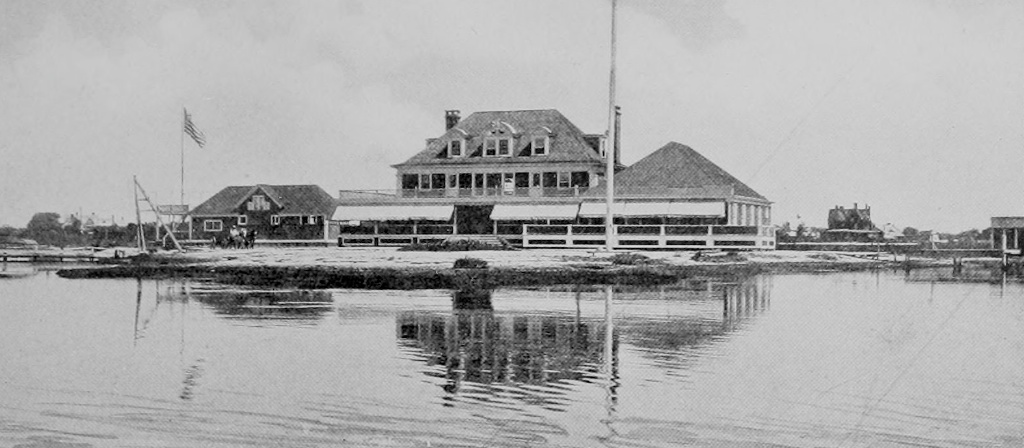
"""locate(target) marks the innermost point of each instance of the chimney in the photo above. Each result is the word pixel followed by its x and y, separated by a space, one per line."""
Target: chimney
pixel 451 118
pixel 855 206
pixel 618 135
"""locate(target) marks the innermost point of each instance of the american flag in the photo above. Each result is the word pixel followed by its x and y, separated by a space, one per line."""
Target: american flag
pixel 190 128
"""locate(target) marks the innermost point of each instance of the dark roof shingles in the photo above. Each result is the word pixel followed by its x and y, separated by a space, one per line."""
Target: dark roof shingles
pixel 295 199
pixel 675 166
pixel 567 144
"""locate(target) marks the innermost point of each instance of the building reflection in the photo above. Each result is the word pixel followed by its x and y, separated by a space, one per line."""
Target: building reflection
pixel 488 355
pixel 254 304
pixel 479 353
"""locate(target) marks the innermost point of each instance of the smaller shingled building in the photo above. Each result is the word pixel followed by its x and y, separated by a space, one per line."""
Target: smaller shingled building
pixel 676 186
pixel 275 212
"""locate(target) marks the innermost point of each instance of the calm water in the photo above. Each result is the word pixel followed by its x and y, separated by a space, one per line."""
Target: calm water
pixel 845 359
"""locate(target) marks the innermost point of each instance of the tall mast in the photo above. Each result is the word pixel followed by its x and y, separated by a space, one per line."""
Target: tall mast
pixel 182 130
pixel 609 152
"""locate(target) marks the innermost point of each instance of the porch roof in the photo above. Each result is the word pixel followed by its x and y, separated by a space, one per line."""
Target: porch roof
pixel 393 213
pixel 509 212
pixel 659 208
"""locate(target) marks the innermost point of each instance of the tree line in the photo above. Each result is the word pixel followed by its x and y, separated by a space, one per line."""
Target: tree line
pixel 47 228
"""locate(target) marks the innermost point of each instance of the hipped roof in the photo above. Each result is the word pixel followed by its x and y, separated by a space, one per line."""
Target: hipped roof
pixel 292 199
pixel 676 170
pixel 567 143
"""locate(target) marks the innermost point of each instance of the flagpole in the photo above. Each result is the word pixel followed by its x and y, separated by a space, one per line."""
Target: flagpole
pixel 609 228
pixel 183 112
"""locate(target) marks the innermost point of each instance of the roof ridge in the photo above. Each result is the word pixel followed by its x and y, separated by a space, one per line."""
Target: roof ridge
pixel 512 110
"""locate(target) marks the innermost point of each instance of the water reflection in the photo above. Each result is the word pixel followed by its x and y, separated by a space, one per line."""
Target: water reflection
pixel 255 304
pixel 964 273
pixel 480 353
pixel 484 354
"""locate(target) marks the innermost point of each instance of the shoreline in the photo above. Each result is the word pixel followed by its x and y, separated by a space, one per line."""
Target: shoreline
pixel 390 269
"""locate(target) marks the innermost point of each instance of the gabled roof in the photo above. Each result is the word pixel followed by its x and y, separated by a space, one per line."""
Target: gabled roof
pixel 567 143
pixel 677 170
pixel 293 199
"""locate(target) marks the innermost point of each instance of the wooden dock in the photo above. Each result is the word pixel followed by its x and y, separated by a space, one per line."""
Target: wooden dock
pixel 47 257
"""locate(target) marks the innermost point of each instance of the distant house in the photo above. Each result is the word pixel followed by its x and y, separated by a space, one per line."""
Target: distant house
pixel 851 225
pixel 275 212
pixel 1008 233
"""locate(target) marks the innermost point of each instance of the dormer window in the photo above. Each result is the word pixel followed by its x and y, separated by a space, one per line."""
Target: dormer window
pixel 540 146
pixel 497 147
pixel 455 148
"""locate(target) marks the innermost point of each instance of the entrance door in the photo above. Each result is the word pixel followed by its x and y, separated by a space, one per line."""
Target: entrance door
pixel 474 219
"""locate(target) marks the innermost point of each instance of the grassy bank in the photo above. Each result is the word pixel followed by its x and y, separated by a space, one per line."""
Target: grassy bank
pixel 322 277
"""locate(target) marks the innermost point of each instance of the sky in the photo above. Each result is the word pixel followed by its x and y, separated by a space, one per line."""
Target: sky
pixel 914 107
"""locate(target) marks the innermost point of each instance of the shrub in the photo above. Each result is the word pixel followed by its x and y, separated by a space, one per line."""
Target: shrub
pixel 470 263
pixel 454 246
pixel 630 259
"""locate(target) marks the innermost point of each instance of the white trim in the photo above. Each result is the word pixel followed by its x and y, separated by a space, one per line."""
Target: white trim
pixel 547 145
pixel 275 220
pixel 462 148
pixel 243 220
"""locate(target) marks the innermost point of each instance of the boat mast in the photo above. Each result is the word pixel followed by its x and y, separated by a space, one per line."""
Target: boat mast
pixel 609 147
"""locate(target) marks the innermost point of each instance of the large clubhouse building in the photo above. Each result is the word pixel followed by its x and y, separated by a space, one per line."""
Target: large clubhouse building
pixel 533 179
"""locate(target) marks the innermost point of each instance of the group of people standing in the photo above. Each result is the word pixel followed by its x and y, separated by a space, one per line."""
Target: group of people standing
pixel 237 238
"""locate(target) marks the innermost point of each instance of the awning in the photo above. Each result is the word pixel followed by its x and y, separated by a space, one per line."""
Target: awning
pixel 597 209
pixel 712 209
pixel 393 213
pixel 522 212
pixel 663 208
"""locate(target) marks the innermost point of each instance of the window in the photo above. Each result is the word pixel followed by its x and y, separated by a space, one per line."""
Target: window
pixel 536 179
pixel 522 180
pixel 540 146
pixel 258 202
pixel 213 225
pixel 409 181
pixel 580 179
pixel 453 181
pixel 495 146
pixel 243 220
pixel 312 219
pixel 563 179
pixel 437 181
pixel 550 180
pixel 508 183
pixel 478 181
pixel 275 220
pixel 455 148
pixel 424 181
pixel 493 180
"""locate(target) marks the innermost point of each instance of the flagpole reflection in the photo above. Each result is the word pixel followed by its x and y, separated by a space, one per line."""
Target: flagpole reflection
pixel 611 381
pixel 138 307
